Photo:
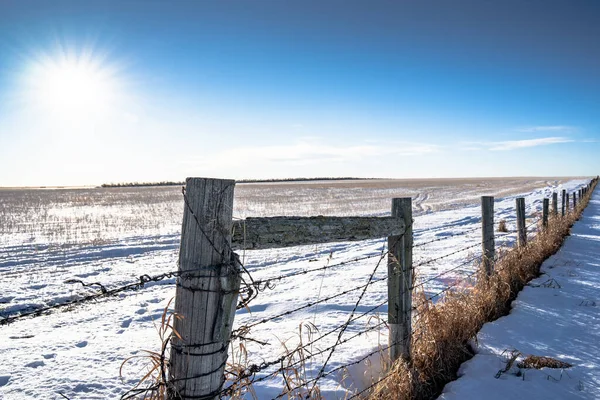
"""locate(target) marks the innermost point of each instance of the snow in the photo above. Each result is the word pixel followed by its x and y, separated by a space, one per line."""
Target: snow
pixel 78 352
pixel 556 315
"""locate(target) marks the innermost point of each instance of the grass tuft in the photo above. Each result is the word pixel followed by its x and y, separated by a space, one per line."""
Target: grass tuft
pixel 539 362
pixel 502 226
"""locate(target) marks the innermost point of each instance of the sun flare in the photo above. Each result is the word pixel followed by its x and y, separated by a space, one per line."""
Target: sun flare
pixel 72 86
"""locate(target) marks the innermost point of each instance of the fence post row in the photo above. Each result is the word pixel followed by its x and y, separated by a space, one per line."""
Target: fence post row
pixel 207 290
pixel 563 202
pixel 400 280
pixel 545 213
pixel 487 233
pixel 209 281
pixel 521 228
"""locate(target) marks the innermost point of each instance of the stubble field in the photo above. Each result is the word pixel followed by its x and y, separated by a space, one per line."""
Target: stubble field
pixel 114 235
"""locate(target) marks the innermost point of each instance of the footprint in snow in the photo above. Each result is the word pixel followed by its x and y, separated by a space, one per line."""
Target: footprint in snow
pixel 4 379
pixel 82 344
pixel 49 356
pixel 141 311
pixel 126 323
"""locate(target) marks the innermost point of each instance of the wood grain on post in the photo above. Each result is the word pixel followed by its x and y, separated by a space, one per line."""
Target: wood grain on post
pixel 400 280
pixel 555 204
pixel 487 233
pixel 545 207
pixel 206 292
pixel 563 202
pixel 521 228
pixel 275 232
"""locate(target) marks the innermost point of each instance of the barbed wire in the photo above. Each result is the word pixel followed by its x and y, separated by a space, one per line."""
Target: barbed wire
pixel 104 292
pixel 468 261
pixel 445 237
pixel 244 329
pixel 254 369
pixel 317 269
pixel 371 281
pixel 341 367
pixel 343 329
pixel 310 304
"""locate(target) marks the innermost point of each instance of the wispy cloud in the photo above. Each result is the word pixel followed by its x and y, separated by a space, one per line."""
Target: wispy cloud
pixel 312 151
pixel 546 128
pixel 513 144
pixel 519 144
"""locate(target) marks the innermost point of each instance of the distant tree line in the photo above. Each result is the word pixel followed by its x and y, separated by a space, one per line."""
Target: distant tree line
pixel 171 183
pixel 135 184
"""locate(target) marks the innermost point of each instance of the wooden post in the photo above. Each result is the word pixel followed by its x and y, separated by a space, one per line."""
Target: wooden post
pixel 521 228
pixel 563 202
pixel 487 233
pixel 567 203
pixel 555 204
pixel 206 292
pixel 400 280
pixel 545 213
pixel 574 201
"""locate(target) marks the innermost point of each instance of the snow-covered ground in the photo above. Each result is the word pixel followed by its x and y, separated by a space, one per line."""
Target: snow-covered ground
pixel 556 315
pixel 78 353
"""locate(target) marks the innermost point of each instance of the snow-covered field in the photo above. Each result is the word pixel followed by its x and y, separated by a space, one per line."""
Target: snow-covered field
pixel 556 315
pixel 112 236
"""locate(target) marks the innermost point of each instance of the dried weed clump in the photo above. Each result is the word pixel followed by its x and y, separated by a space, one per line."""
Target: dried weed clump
pixel 443 332
pixel 539 362
pixel 502 226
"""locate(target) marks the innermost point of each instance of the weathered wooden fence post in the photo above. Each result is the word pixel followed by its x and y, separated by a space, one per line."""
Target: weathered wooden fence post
pixel 545 207
pixel 206 293
pixel 555 204
pixel 567 203
pixel 487 233
pixel 521 228
pixel 400 281
pixel 563 203
pixel 574 201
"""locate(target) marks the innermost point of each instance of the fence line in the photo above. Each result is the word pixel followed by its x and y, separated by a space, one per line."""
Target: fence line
pixel 225 265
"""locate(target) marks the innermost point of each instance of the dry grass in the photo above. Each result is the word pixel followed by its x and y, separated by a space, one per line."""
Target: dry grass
pixel 153 385
pixel 502 226
pixel 443 331
pixel 235 373
pixel 539 362
pixel 294 369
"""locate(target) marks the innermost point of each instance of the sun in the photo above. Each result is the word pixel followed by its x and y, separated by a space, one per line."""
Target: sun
pixel 72 86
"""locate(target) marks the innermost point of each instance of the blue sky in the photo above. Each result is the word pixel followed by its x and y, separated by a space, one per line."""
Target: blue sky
pixel 110 91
